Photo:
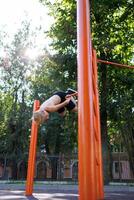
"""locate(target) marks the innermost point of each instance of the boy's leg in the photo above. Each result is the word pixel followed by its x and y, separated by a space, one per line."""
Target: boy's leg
pixel 62 112
pixel 73 100
pixel 75 109
pixel 72 106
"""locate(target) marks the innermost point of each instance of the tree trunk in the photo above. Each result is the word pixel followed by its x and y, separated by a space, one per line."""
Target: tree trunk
pixel 14 170
pixel 103 112
pixel 54 167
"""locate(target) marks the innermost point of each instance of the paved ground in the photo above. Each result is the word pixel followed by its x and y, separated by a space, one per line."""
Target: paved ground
pixel 60 192
pixel 119 195
pixel 49 195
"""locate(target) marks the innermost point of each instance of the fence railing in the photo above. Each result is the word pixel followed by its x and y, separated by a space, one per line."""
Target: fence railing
pixel 61 167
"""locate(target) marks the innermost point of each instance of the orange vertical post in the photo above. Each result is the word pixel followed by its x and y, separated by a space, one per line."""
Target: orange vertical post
pixel 86 154
pixel 99 171
pixel 32 153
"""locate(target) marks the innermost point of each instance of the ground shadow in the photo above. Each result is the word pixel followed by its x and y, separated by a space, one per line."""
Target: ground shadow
pixel 31 197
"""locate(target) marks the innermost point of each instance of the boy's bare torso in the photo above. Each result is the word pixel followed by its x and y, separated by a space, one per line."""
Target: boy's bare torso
pixel 54 100
pixel 56 103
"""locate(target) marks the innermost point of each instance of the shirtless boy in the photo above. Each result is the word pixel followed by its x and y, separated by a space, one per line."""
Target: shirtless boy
pixel 58 102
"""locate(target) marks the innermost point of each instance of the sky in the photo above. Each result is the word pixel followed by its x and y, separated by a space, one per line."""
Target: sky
pixel 14 11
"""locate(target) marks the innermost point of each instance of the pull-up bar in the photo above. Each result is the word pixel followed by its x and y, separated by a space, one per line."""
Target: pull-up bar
pixel 115 64
pixel 74 94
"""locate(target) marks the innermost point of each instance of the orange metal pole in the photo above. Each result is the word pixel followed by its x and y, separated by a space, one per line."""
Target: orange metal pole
pixel 99 172
pixel 96 139
pixel 32 154
pixel 115 64
pixel 86 154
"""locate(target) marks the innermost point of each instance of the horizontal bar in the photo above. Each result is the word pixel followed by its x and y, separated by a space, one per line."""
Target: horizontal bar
pixel 113 63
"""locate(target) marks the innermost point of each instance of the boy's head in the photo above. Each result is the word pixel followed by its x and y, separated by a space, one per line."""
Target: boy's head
pixel 40 116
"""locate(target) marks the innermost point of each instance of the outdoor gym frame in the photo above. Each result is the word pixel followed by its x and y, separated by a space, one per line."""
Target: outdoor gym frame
pixel 89 140
pixel 90 157
pixel 89 137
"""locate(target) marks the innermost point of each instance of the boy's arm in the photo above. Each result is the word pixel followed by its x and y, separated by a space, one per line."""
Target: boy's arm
pixel 58 106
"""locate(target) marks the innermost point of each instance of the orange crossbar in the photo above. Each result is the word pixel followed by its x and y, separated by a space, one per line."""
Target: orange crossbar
pixel 86 154
pixel 74 94
pixel 115 64
pixel 32 154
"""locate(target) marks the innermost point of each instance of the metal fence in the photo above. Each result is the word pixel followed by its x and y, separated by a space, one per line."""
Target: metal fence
pixel 61 167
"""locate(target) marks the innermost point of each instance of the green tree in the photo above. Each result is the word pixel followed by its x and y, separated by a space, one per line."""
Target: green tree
pixel 112 29
pixel 112 37
pixel 15 97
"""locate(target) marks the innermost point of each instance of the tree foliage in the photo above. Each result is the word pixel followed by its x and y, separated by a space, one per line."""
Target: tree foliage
pixel 22 81
pixel 112 30
pixel 15 109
